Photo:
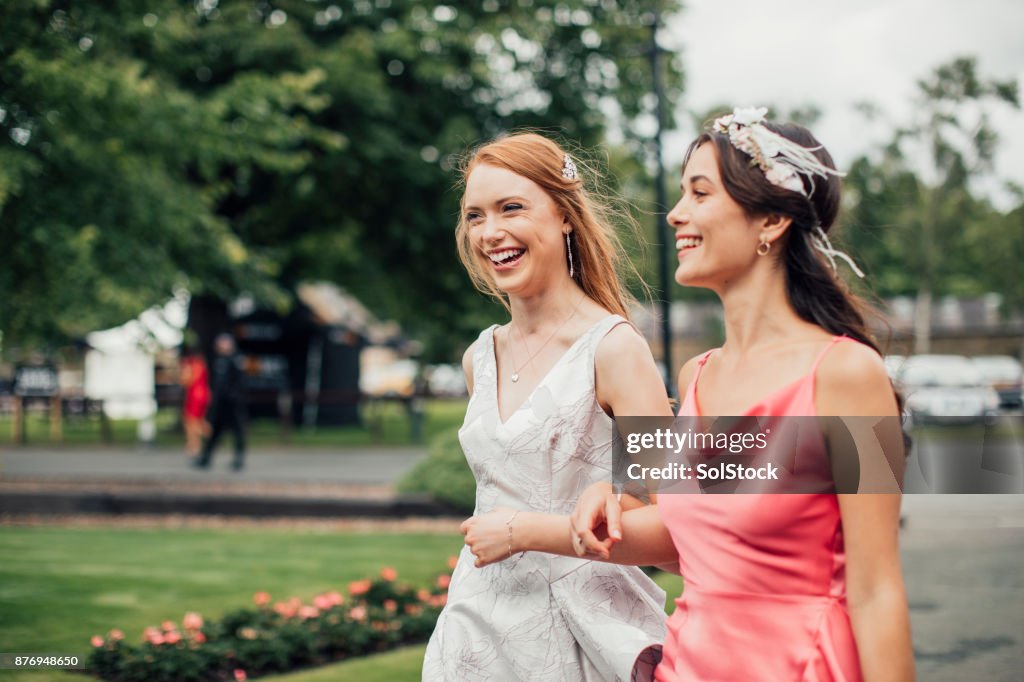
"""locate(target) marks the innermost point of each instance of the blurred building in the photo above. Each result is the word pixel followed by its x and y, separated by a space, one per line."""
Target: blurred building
pixel 312 364
pixel 959 325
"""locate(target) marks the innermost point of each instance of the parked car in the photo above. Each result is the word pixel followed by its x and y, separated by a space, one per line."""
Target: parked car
pixel 1003 373
pixel 946 389
pixel 893 363
pixel 446 380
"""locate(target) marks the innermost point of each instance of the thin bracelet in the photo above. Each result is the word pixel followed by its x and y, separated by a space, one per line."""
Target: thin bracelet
pixel 509 524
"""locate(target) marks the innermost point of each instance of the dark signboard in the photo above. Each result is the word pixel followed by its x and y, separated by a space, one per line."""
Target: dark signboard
pixel 35 381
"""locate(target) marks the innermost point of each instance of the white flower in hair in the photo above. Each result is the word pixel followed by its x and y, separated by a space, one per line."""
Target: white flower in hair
pixel 748 116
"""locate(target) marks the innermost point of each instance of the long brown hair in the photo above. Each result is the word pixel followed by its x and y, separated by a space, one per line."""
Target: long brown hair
pixel 599 260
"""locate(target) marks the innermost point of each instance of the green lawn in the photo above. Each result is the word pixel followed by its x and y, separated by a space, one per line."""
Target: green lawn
pixel 59 586
pixel 384 423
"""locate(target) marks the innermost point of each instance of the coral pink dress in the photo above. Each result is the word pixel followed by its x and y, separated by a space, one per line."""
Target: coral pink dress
pixel 764 593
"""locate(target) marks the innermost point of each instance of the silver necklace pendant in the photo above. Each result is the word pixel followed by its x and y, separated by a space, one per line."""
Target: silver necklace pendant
pixel 515 377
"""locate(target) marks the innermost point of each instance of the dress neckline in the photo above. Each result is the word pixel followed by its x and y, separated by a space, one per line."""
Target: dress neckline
pixel 494 358
pixel 790 386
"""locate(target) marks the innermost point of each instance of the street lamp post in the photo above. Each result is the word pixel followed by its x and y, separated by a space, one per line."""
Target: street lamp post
pixel 661 239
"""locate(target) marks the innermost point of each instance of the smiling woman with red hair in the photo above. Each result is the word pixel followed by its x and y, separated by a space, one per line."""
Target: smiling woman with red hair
pixel 538 430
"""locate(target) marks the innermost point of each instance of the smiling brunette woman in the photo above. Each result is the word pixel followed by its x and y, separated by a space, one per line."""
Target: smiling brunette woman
pixel 782 587
pixel 538 431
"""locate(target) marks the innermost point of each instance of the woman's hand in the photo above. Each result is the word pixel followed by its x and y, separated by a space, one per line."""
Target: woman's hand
pixel 487 536
pixel 596 523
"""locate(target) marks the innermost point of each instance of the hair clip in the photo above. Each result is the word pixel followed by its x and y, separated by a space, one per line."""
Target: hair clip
pixel 569 168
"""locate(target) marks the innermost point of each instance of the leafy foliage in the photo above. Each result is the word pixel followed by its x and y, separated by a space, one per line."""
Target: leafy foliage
pixel 247 145
pixel 443 474
pixel 377 615
pixel 915 208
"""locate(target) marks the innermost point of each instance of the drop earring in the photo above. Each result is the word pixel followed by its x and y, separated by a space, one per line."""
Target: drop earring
pixel 568 251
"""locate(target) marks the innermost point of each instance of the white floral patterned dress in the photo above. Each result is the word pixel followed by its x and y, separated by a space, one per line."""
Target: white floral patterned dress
pixel 537 616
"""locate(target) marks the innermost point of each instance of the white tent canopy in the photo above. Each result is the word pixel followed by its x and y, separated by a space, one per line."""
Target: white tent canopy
pixel 119 366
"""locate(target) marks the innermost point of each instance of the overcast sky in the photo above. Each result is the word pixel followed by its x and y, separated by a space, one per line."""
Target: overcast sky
pixel 833 53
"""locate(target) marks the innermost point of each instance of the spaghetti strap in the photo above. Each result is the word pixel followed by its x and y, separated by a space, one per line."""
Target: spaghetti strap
pixel 689 405
pixel 701 361
pixel 825 350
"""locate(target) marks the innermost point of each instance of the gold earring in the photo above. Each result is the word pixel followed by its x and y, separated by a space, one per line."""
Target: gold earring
pixel 764 247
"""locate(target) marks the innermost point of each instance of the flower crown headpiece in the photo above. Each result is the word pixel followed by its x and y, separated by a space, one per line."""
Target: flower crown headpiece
pixel 781 160
pixel 783 163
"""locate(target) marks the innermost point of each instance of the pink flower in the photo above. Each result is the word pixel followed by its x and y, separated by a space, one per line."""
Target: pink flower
pixel 261 598
pixel 155 638
pixel 357 613
pixel 285 609
pixel 359 587
pixel 423 594
pixel 413 609
pixel 172 637
pixel 453 562
pixel 328 599
pixel 307 612
pixel 388 573
pixel 240 675
pixel 443 581
pixel 390 605
pixel 192 621
pixel 168 625
pixel 116 635
pixel 96 641
pixel 200 637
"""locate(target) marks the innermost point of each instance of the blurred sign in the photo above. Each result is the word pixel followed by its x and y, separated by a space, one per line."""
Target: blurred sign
pixel 266 372
pixel 35 381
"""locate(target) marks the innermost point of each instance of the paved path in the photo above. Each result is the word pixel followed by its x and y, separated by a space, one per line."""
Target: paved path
pixel 963 561
pixel 363 466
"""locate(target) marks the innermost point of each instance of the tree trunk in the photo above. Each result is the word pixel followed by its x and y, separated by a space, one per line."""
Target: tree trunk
pixel 923 321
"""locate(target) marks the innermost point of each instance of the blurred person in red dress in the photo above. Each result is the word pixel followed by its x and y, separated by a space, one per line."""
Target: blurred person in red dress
pixel 195 377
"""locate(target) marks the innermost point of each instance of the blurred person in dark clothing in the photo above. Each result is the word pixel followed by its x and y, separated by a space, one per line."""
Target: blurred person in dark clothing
pixel 227 409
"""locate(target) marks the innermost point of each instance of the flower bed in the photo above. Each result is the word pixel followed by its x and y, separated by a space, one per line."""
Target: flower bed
pixel 375 615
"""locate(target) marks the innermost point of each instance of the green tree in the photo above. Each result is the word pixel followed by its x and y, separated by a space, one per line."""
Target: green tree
pixel 248 145
pixel 111 174
pixel 912 220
